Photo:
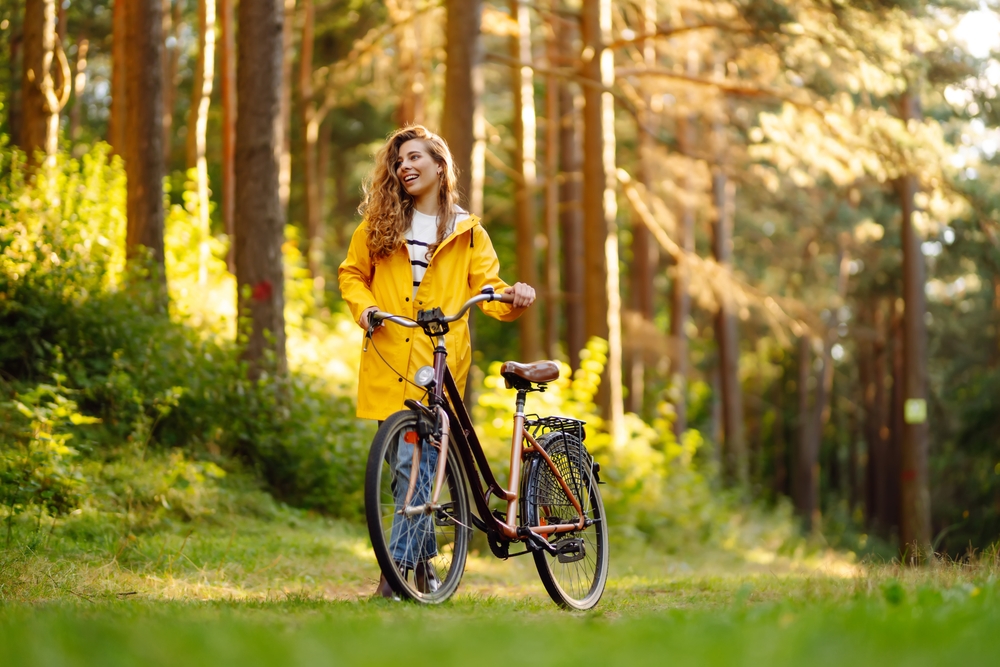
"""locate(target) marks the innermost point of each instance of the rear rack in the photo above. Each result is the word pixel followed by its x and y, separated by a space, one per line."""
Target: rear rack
pixel 539 426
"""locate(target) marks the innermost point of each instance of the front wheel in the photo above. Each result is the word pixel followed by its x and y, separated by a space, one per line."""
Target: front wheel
pixel 576 577
pixel 423 556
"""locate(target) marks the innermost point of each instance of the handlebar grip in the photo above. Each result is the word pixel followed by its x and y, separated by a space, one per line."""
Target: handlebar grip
pixel 504 298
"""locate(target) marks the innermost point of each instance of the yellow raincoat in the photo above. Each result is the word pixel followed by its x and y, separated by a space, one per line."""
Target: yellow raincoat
pixel 462 265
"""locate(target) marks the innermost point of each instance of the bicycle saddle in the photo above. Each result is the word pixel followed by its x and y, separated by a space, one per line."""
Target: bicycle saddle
pixel 519 375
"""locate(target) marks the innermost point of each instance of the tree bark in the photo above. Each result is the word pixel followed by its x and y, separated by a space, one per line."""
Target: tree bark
pixel 680 300
pixel 805 481
pixel 171 19
pixel 463 89
pixel 896 425
pixel 571 204
pixel 39 114
pixel 227 74
pixel 644 252
pixel 915 502
pixel 595 223
pixel 14 78
pixel 602 298
pixel 259 214
pixel 867 353
pixel 883 462
pixel 412 84
pixel 780 479
pixel 287 68
pixel 524 127
pixel 144 165
pixel 552 128
pixel 734 454
pixel 310 131
pixel 119 54
pixel 201 102
pixel 79 86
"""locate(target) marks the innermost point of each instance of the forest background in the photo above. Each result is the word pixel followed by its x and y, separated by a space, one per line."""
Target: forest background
pixel 764 235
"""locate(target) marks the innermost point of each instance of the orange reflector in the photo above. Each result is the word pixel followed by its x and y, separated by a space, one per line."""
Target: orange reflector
pixel 410 437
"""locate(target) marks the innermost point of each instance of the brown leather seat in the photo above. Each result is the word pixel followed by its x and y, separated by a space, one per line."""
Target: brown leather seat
pixel 539 372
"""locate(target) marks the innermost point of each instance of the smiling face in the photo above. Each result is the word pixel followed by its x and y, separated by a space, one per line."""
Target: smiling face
pixel 417 171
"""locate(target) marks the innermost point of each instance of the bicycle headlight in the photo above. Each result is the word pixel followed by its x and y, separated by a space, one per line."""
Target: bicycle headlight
pixel 424 376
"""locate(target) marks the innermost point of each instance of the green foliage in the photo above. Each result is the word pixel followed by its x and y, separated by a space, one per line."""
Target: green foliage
pixel 69 310
pixel 37 465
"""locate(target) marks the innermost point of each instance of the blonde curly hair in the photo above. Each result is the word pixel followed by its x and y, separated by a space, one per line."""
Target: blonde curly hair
pixel 388 208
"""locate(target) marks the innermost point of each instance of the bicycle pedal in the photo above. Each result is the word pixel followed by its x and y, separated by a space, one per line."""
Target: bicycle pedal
pixel 570 550
pixel 445 515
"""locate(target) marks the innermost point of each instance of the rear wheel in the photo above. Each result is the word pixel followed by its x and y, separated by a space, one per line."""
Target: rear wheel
pixel 422 557
pixel 576 577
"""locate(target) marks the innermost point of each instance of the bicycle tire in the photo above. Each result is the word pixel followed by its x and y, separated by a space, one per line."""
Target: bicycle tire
pixel 451 532
pixel 573 585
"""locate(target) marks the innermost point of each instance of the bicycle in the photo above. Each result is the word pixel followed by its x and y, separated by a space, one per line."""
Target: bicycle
pixel 554 507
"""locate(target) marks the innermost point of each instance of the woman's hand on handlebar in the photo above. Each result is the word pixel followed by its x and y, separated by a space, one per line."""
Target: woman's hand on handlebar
pixel 365 320
pixel 524 294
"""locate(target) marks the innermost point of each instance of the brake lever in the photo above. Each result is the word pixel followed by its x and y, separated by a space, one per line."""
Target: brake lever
pixel 372 326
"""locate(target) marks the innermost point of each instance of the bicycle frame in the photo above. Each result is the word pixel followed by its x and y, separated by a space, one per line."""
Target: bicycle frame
pixel 451 411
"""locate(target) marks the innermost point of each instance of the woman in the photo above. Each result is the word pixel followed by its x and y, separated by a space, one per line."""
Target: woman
pixel 416 249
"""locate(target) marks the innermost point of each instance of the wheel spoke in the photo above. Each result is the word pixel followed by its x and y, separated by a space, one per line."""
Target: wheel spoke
pixel 420 549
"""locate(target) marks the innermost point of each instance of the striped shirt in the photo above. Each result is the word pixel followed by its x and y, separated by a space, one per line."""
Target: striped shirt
pixel 419 237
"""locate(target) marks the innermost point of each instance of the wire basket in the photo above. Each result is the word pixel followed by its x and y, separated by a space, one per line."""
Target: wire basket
pixel 572 461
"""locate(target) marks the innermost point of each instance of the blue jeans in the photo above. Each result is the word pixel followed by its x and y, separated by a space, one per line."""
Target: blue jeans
pixel 412 540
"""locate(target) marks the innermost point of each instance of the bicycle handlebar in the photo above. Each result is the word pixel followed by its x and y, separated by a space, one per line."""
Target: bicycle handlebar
pixel 382 316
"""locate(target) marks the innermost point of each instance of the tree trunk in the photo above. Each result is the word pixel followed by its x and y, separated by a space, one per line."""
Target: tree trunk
pixel 853 482
pixel 411 73
pixel 571 205
pixel 40 116
pixel 227 73
pixel 322 172
pixel 201 102
pixel 525 166
pixel 14 81
pixel 259 212
pixel 79 86
pixel 287 68
pixel 780 479
pixel 644 253
pixel 915 501
pixel 119 54
pixel 310 130
pixel 896 425
pixel 595 223
pixel 868 371
pixel 463 124
pixel 806 481
pixel 463 89
pixel 680 300
pixel 144 166
pixel 602 299
pixel 552 127
pixel 884 462
pixel 342 209
pixel 171 21
pixel 734 454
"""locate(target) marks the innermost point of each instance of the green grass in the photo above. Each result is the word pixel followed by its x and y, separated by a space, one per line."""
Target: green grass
pixel 492 631
pixel 256 583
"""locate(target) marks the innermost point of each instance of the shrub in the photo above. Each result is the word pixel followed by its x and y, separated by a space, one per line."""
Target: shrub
pixel 173 382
